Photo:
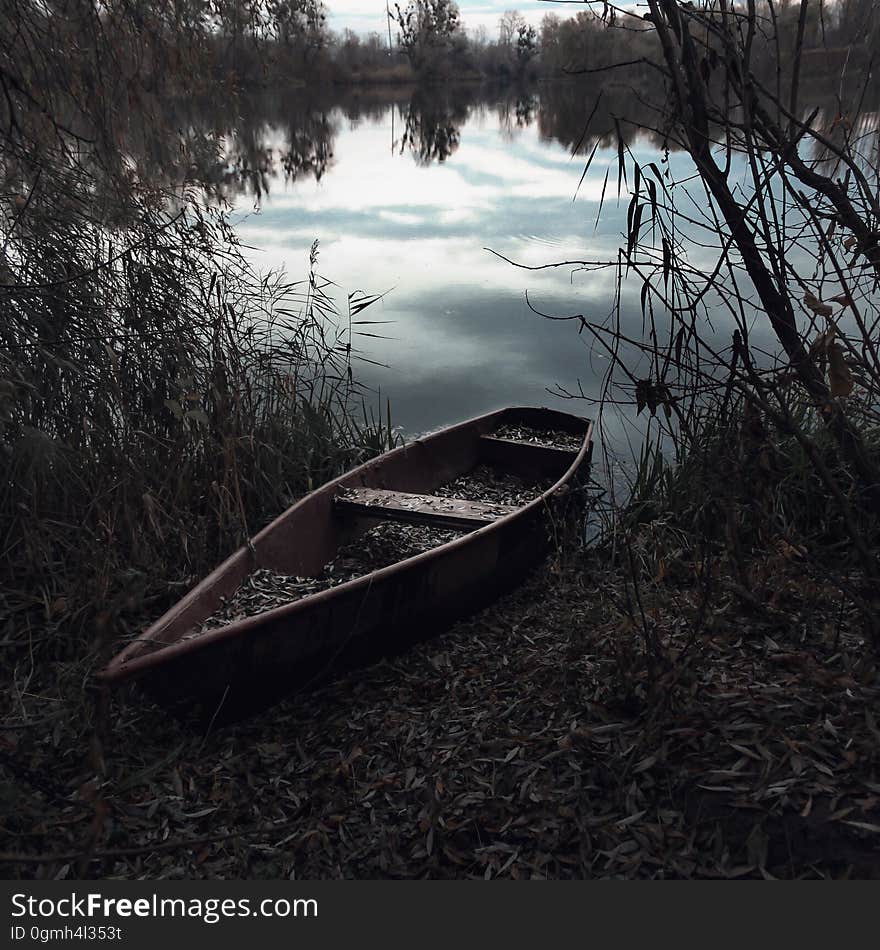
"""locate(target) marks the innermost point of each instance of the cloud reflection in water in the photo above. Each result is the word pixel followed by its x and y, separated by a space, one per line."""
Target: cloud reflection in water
pixel 464 339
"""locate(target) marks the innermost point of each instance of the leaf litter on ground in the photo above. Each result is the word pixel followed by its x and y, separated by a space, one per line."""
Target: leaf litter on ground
pixel 531 741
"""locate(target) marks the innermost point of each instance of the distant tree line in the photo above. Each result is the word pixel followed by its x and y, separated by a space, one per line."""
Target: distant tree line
pixel 427 40
pixel 254 42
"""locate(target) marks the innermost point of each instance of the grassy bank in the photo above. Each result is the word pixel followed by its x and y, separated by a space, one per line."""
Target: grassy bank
pixel 693 695
pixel 159 401
pixel 151 437
pixel 156 411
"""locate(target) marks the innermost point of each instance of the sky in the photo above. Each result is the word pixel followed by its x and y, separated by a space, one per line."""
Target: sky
pixel 364 16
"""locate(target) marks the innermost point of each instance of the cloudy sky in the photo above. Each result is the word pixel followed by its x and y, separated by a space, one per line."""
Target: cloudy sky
pixel 364 16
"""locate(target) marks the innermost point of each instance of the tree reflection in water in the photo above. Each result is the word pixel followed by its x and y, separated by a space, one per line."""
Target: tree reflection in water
pixel 432 122
pixel 236 146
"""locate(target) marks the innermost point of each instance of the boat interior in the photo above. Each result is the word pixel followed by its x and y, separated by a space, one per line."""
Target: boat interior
pixel 400 486
pixel 409 487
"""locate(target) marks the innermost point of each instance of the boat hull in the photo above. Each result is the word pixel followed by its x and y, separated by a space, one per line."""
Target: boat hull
pixel 249 664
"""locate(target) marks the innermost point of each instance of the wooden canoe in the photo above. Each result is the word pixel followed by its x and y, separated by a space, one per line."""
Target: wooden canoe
pixel 249 663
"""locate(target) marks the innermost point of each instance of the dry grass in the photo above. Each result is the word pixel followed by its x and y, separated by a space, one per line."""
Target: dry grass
pixel 156 414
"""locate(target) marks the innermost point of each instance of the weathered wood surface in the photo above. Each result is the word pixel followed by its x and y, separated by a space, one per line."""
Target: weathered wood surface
pixel 250 662
pixel 526 459
pixel 420 509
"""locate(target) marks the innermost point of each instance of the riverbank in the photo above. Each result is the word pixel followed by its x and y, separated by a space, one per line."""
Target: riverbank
pixel 533 740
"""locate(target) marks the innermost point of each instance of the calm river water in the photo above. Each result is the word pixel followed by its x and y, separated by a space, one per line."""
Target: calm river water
pixel 410 192
pixel 412 205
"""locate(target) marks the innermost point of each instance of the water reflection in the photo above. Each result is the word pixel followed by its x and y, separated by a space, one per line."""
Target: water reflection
pixel 432 122
pixel 407 188
pixel 289 134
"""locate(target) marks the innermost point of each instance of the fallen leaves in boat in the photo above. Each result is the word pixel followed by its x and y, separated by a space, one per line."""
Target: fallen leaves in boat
pixel 380 546
pixel 485 484
pixel 557 438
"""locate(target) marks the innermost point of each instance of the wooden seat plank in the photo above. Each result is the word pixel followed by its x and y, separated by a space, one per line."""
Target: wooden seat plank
pixel 543 448
pixel 419 509
pixel 528 460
